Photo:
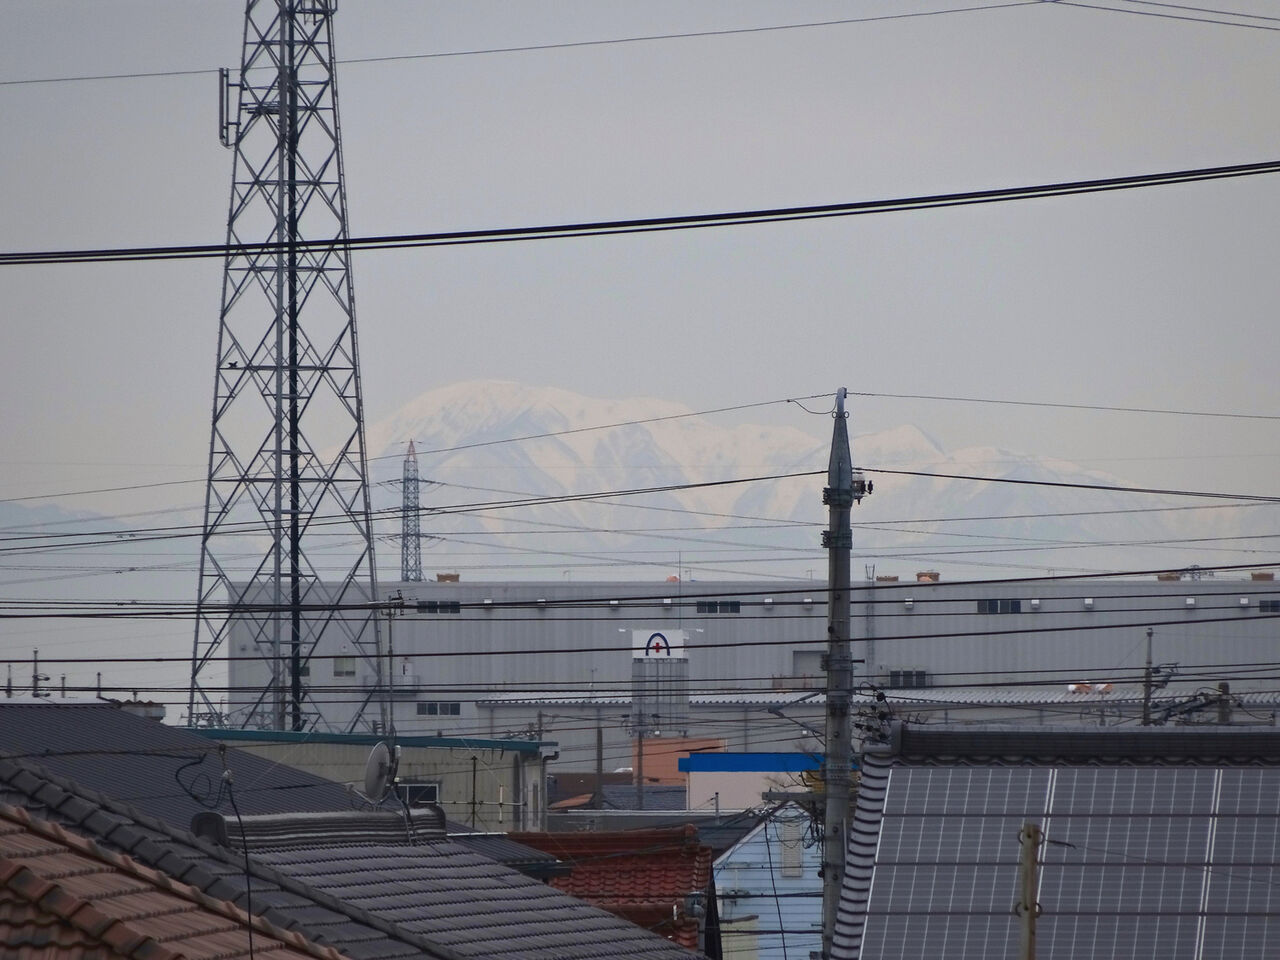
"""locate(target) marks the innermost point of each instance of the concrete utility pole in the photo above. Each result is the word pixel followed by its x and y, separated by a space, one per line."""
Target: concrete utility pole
pixel 597 798
pixel 843 488
pixel 1027 909
pixel 1147 683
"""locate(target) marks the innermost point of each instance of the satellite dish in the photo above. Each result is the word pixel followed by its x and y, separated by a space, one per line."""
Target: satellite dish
pixel 380 771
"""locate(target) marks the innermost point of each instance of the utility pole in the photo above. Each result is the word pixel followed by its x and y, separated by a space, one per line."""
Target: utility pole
pixel 640 768
pixel 597 799
pixel 844 486
pixel 395 607
pixel 36 676
pixel 1027 909
pixel 1147 683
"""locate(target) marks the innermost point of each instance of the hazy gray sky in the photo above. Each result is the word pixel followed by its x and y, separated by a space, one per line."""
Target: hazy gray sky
pixel 1161 297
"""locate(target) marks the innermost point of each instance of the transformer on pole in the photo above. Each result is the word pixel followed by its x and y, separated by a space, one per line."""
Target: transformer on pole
pixel 287 562
pixel 410 529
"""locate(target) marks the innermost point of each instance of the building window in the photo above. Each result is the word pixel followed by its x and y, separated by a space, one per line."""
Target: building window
pixel 999 606
pixel 437 708
pixel 439 606
pixel 305 671
pixel 416 793
pixel 719 606
pixel 904 679
pixel 344 666
pixel 1269 606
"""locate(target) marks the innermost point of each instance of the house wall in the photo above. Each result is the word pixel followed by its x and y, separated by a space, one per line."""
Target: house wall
pixel 767 883
pixel 506 785
pixel 736 789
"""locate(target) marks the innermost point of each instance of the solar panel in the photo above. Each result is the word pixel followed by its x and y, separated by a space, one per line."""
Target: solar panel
pixel 1139 861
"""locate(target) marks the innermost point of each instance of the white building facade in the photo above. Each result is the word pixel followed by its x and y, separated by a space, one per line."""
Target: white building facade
pixel 556 660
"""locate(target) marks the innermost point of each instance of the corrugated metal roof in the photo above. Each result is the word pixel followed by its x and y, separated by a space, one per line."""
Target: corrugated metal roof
pixel 1013 694
pixel 365 739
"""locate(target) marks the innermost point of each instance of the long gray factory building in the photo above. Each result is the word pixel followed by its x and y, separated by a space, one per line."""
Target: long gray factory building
pixel 741 661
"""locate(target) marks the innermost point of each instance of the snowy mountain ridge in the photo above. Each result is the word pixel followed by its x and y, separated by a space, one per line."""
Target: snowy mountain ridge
pixel 491 440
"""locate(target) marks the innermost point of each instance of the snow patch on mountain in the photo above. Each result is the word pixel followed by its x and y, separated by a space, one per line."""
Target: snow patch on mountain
pixel 717 501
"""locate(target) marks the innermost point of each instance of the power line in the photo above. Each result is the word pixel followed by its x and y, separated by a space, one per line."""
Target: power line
pixel 809 592
pixel 1170 16
pixel 1113 488
pixel 465 446
pixel 529 48
pixel 1181 6
pixel 145 534
pixel 646 224
pixel 1066 406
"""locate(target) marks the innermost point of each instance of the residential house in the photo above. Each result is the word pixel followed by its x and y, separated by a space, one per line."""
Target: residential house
pixel 488 784
pixel 369 883
pixel 63 897
pixel 1142 842
pixel 770 890
pixel 660 879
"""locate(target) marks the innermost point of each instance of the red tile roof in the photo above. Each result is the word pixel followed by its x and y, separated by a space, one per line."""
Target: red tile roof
pixel 642 875
pixel 63 897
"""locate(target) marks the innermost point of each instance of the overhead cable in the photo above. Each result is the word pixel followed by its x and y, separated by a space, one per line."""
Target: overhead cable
pixel 641 225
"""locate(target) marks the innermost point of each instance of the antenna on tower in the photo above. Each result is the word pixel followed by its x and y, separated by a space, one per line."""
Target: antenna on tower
pixel 410 531
pixel 287 475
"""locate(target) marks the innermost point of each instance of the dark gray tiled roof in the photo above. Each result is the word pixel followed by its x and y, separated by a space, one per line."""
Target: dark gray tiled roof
pixel 167 772
pixel 502 849
pixel 1121 744
pixel 463 900
pixel 625 796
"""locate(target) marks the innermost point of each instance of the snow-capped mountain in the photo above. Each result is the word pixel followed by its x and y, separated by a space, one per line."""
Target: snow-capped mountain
pixel 483 444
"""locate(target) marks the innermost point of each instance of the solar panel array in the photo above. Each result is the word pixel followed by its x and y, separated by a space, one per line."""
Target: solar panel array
pixel 1159 861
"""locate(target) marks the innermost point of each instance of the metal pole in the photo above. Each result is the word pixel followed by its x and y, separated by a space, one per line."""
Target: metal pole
pixel 597 799
pixel 1027 909
pixel 1147 684
pixel 640 769
pixel 838 539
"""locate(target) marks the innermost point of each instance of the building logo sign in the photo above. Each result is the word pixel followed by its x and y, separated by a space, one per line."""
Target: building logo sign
pixel 657 644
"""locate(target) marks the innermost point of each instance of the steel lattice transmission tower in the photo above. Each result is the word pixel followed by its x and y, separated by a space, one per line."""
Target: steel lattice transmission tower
pixel 410 523
pixel 287 563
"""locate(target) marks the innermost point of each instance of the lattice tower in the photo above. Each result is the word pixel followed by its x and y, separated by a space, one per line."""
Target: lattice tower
pixel 287 565
pixel 410 529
